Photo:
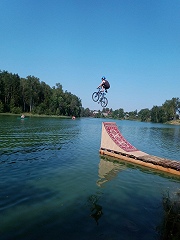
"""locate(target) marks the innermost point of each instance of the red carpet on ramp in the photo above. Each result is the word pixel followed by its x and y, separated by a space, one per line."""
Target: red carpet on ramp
pixel 117 137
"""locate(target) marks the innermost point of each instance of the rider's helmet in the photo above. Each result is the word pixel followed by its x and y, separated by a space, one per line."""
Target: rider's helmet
pixel 103 78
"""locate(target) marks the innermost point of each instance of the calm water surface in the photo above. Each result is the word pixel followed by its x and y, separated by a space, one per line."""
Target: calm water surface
pixel 55 185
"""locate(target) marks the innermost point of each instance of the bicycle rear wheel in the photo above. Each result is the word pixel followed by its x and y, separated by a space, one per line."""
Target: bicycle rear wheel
pixel 95 96
pixel 104 102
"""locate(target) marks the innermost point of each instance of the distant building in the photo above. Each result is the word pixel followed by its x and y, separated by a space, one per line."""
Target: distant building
pixel 95 112
pixel 105 114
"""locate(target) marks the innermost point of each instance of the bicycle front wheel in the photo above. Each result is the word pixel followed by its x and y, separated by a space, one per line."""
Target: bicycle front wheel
pixel 95 96
pixel 104 102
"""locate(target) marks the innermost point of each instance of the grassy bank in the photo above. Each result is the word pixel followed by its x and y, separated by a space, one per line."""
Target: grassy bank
pixel 174 122
pixel 34 115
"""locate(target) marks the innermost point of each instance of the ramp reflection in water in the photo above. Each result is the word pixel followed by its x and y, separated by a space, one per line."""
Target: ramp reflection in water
pixel 108 170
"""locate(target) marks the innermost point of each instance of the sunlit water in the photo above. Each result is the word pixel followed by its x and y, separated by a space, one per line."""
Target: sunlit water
pixel 55 185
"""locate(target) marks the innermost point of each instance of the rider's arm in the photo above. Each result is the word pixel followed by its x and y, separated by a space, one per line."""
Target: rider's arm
pixel 101 84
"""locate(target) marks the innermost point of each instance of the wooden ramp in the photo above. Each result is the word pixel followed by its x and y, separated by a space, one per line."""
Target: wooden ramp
pixel 115 145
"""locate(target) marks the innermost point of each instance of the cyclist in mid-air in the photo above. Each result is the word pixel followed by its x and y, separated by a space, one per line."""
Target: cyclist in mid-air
pixel 104 84
pixel 100 94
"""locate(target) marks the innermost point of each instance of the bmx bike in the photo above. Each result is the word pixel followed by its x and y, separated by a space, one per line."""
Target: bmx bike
pixel 99 95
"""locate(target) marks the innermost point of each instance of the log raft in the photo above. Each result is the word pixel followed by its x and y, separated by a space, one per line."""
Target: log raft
pixel 115 145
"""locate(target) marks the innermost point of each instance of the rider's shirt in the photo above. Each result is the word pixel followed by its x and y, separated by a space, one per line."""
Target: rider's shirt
pixel 106 85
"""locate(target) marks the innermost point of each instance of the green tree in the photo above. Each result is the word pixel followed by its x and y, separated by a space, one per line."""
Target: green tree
pixel 155 114
pixel 86 112
pixel 45 95
pixel 178 105
pixel 9 89
pixel 144 115
pixel 169 108
pixel 1 107
pixel 118 113
pixel 33 93
pixel 133 114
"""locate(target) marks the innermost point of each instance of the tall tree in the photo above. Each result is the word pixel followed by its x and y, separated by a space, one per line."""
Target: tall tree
pixel 33 93
pixel 144 114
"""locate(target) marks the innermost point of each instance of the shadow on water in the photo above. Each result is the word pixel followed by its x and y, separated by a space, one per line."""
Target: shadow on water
pixel 95 208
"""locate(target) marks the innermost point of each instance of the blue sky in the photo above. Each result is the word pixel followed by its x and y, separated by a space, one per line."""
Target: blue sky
pixel 135 44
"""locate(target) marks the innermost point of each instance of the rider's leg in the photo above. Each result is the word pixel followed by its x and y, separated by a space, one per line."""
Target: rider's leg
pixel 102 88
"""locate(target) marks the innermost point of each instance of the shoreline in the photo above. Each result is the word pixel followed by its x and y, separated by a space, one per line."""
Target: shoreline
pixel 172 122
pixel 27 115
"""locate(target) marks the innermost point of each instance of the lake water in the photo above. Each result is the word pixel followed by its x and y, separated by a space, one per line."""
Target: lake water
pixel 55 185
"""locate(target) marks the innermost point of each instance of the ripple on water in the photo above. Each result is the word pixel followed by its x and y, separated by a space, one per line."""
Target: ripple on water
pixel 52 179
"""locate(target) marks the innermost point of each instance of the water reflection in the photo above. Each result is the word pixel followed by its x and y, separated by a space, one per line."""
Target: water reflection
pixel 108 170
pixel 96 209
pixel 169 227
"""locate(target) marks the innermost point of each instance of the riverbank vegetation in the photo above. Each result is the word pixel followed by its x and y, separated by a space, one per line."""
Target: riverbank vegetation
pixel 169 113
pixel 29 95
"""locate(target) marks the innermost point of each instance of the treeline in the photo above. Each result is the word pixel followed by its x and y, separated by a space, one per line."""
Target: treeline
pixel 30 95
pixel 170 110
